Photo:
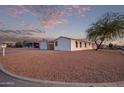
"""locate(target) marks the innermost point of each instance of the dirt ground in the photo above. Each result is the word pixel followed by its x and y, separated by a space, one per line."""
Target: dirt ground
pixel 87 66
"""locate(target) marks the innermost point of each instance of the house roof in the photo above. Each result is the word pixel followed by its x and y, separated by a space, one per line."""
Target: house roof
pixel 83 40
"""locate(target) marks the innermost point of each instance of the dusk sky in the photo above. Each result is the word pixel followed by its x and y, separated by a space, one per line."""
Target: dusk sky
pixel 53 21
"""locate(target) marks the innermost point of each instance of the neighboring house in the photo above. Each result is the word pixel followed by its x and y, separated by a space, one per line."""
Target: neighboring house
pixel 69 44
pixel 36 45
pixel 29 44
pixel 46 44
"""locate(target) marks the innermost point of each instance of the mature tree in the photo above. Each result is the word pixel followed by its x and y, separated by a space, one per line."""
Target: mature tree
pixel 109 26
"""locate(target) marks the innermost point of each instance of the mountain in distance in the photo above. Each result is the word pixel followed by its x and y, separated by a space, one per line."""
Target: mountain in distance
pixel 19 35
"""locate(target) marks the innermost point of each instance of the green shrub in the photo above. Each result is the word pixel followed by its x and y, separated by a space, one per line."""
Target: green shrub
pixel 18 45
pixel 110 45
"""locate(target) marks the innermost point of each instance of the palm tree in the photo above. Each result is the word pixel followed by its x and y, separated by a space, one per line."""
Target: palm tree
pixel 109 26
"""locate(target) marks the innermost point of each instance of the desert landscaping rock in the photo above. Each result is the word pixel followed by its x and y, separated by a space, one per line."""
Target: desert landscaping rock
pixel 79 67
pixel 8 79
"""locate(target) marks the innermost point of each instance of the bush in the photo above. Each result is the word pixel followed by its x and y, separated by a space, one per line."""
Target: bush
pixel 110 45
pixel 18 45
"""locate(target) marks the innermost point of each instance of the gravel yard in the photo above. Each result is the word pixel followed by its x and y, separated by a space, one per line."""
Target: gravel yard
pixel 87 66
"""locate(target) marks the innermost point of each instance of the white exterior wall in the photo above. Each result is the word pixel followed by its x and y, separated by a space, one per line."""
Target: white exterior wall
pixel 74 48
pixel 43 44
pixel 63 44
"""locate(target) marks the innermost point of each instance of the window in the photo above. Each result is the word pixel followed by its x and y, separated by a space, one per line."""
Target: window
pixel 76 43
pixel 80 44
pixel 89 44
pixel 56 43
pixel 92 45
pixel 85 44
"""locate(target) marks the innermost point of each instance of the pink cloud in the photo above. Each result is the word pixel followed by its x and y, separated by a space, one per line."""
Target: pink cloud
pixel 61 13
pixel 51 22
pixel 50 11
pixel 75 6
pixel 80 7
pixel 54 16
pixel 26 9
pixel 14 12
pixel 30 26
pixel 77 9
pixel 17 11
pixel 48 15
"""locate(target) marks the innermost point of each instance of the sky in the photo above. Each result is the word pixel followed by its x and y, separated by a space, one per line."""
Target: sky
pixel 53 21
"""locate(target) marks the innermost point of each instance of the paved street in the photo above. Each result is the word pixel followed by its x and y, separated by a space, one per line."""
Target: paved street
pixel 8 81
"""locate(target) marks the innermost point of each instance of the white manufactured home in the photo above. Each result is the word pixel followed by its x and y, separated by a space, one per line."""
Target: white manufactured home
pixel 69 44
